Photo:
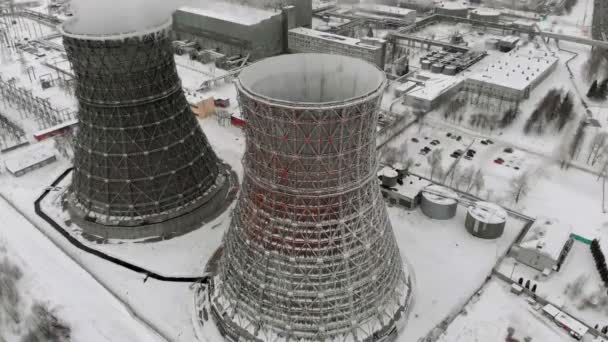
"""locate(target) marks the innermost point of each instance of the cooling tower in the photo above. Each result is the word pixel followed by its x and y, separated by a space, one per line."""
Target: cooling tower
pixel 310 254
pixel 142 165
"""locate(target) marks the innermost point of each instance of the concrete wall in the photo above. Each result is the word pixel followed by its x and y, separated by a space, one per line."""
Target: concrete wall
pixel 303 12
pixel 261 40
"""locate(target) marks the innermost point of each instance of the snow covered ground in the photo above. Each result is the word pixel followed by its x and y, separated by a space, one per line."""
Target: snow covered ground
pixel 448 264
pixel 577 288
pixel 93 313
pixel 493 311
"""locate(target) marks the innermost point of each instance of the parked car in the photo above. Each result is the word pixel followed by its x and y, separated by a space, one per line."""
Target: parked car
pixel 468 157
pixel 489 141
pixel 415 140
pixel 459 138
pixel 434 142
pixel 508 150
pixel 499 161
pixel 483 142
pixel 448 135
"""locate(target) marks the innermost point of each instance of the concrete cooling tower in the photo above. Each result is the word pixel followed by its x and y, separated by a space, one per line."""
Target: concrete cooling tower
pixel 142 165
pixel 310 254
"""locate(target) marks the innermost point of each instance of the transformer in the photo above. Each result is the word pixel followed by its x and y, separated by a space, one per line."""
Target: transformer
pixel 142 165
pixel 310 254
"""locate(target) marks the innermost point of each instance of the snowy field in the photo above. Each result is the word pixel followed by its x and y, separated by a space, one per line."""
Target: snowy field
pixel 437 252
pixel 50 276
pixel 493 311
pixel 577 288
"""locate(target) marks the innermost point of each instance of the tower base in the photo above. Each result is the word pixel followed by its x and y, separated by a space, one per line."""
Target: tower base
pixel 163 226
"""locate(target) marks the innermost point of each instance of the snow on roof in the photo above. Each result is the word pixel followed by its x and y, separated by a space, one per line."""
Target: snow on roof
pixel 571 323
pixel 510 39
pixel 440 194
pixel 517 69
pixel 548 236
pixel 412 186
pixel 485 11
pixel 386 9
pixel 488 212
pixel 451 5
pixel 551 310
pixel 434 85
pixel 333 37
pixel 388 172
pixel 232 12
pixel 26 158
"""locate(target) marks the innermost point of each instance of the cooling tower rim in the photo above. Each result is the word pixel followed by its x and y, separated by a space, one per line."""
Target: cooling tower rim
pixel 374 92
pixel 64 29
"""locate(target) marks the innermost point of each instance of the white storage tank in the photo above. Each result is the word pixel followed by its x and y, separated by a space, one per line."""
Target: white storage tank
pixel 485 14
pixel 437 68
pixel 389 176
pixel 438 202
pixel 486 220
pixel 425 64
pixel 450 70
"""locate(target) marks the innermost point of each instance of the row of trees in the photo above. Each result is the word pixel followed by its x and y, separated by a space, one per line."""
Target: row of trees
pixel 456 108
pixel 596 64
pixel 554 110
pixel 600 260
pixel 598 91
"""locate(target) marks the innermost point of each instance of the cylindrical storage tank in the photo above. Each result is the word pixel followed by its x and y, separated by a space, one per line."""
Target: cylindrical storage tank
pixel 452 9
pixel 486 220
pixel 432 59
pixel 389 177
pixel 485 14
pixel 437 68
pixel 310 200
pixel 491 43
pixel 450 70
pixel 400 168
pixel 425 65
pixel 438 202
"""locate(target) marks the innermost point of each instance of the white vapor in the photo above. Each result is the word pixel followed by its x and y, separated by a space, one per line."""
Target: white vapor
pixel 121 16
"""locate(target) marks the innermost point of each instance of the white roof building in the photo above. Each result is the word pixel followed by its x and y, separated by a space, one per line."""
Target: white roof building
pixel 515 74
pixel 544 244
pixel 388 10
pixel 551 310
pixel 22 161
pixel 232 12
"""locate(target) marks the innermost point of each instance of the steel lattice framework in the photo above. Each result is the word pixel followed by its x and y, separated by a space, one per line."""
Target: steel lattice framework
pixel 140 156
pixel 310 254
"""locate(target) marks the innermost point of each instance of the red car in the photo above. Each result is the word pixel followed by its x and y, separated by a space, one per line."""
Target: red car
pixel 499 161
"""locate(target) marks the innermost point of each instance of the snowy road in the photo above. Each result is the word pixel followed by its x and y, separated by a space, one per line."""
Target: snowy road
pixel 50 275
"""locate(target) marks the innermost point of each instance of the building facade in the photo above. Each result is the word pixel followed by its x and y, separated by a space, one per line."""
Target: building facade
pixel 225 29
pixel 303 40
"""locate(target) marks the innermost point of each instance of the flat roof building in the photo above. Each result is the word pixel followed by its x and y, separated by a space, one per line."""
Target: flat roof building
pixel 232 29
pixel 514 75
pixel 431 90
pixel 545 245
pixel 26 161
pixel 303 40
pixel 407 16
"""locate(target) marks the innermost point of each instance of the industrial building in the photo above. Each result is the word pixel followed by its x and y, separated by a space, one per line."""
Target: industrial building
pixel 29 160
pixel 426 90
pixel 545 245
pixel 369 10
pixel 513 76
pixel 310 201
pixel 399 188
pixel 485 220
pixel 307 40
pixel 452 8
pixel 450 63
pixel 142 165
pixel 485 14
pixel 234 29
pixel 438 202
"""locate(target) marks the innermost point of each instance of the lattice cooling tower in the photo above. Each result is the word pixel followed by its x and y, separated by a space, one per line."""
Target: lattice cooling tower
pixel 310 254
pixel 142 166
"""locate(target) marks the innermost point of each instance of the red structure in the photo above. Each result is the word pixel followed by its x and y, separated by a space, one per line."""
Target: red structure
pixel 56 130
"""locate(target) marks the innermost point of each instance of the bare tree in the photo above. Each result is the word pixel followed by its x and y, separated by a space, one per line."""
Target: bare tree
pixel 435 159
pixel 520 186
pixel 598 143
pixel 478 182
pixel 466 178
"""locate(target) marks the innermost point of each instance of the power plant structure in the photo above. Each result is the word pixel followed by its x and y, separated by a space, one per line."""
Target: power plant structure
pixel 310 254
pixel 142 165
